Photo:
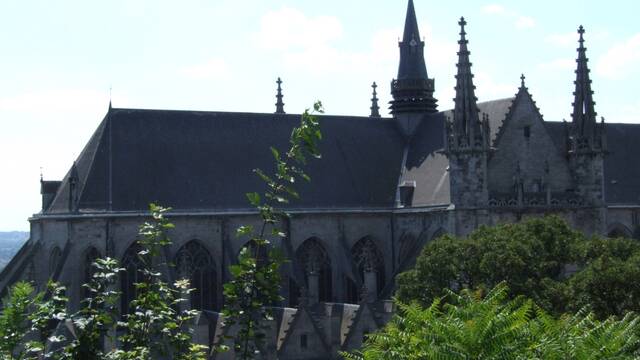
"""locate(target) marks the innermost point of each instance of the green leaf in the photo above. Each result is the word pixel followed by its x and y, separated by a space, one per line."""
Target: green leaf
pixel 254 198
pixel 244 230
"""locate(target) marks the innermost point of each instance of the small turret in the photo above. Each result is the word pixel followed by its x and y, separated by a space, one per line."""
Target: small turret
pixel 279 96
pixel 375 109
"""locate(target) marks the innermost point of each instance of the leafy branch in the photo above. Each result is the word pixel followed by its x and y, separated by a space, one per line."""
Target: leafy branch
pixel 256 277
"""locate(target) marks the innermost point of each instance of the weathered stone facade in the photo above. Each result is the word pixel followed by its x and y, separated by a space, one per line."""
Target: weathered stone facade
pixel 384 188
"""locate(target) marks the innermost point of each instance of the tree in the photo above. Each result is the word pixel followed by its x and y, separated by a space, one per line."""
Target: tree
pixel 469 326
pixel 14 319
pixel 155 328
pixel 533 258
pixel 255 285
pixel 530 257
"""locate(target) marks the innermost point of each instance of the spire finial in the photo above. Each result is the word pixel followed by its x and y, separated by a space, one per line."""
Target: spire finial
pixel 375 109
pixel 279 96
pixel 109 97
pixel 581 32
pixel 462 24
pixel 522 78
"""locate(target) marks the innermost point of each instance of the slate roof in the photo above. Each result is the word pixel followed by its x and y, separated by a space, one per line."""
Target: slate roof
pixel 622 165
pixel 204 161
pixel 621 169
pixel 199 161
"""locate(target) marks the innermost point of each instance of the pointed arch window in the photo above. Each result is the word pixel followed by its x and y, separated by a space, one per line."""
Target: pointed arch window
pixel 194 262
pixel 131 275
pixel 369 259
pixel 316 264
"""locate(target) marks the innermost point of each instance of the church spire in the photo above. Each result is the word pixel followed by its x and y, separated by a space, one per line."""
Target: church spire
pixel 412 64
pixel 584 115
pixel 466 122
pixel 412 90
pixel 279 96
pixel 375 109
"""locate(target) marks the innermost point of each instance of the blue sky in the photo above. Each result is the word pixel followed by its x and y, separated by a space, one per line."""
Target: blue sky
pixel 60 58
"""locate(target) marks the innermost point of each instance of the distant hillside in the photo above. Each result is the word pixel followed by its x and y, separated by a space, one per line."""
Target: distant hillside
pixel 10 243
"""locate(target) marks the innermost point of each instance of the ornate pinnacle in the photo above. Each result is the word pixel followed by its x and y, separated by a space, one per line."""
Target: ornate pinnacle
pixel 522 78
pixel 584 114
pixel 279 96
pixel 375 109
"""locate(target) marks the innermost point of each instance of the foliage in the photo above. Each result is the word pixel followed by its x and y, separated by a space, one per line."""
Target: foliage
pixel 532 257
pixel 608 285
pixel 256 277
pixel 469 326
pixel 49 309
pixel 14 318
pixel 154 328
pixel 98 314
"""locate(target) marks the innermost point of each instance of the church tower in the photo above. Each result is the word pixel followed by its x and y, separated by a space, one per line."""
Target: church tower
pixel 588 138
pixel 467 138
pixel 412 91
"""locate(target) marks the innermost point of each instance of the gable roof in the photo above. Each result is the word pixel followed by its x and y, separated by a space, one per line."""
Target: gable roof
pixel 427 166
pixel 204 160
pixel 197 161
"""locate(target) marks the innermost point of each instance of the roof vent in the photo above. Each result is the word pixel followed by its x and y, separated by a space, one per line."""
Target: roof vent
pixel 48 189
pixel 406 193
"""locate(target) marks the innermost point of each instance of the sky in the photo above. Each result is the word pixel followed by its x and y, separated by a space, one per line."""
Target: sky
pixel 62 61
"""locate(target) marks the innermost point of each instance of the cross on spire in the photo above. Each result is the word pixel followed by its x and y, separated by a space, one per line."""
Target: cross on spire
pixel 279 96
pixel 375 109
pixel 581 32
pixel 522 78
pixel 462 24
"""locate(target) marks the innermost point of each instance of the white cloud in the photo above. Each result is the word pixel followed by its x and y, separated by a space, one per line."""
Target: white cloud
pixel 519 21
pixel 558 64
pixel 57 101
pixel 525 22
pixel 620 59
pixel 212 69
pixel 488 88
pixel 289 28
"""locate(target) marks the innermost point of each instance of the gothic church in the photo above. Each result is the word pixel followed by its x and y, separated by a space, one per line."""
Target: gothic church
pixel 384 187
